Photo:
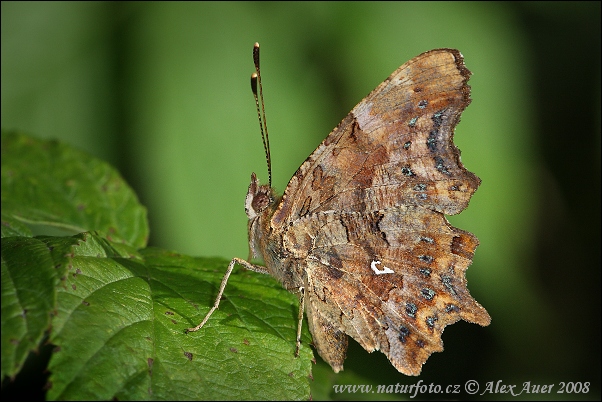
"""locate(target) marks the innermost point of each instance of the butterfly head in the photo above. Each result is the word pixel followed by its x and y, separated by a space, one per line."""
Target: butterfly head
pixel 260 199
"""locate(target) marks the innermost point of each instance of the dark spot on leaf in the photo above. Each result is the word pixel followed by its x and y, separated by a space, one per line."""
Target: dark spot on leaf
pixel 411 309
pixel 233 350
pixel 413 121
pixel 85 303
pixel 188 355
pixel 420 343
pixel 169 313
pixel 425 271
pixel 430 321
pixel 407 145
pixel 422 104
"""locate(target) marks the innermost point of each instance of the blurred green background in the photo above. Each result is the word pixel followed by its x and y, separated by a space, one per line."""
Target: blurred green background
pixel 161 90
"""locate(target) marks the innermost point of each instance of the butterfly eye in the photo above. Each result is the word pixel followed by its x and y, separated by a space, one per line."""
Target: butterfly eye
pixel 260 202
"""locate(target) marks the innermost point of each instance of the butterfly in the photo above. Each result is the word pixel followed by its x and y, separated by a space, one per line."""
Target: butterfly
pixel 360 233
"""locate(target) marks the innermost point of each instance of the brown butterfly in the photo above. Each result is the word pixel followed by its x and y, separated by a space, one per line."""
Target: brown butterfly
pixel 360 234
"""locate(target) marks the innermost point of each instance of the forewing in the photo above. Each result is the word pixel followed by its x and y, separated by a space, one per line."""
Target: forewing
pixel 391 279
pixel 395 148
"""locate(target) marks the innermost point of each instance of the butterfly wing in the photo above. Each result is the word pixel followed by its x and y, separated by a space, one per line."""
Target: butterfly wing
pixel 363 217
pixel 391 279
pixel 394 148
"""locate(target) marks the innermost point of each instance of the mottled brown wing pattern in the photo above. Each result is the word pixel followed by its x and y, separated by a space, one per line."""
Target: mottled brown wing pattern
pixel 365 218
pixel 360 233
pixel 379 156
pixel 386 279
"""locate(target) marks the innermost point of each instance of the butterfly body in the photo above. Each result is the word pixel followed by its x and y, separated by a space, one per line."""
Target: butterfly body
pixel 360 232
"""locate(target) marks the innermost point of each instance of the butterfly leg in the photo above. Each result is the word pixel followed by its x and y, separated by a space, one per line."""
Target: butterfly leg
pixel 239 261
pixel 300 318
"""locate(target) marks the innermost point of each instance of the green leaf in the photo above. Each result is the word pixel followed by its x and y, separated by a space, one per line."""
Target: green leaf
pixel 28 296
pixel 31 269
pixel 120 324
pixel 50 185
pixel 14 227
pixel 117 314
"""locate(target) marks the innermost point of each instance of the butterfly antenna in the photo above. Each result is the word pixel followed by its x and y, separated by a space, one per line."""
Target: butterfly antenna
pixel 255 82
